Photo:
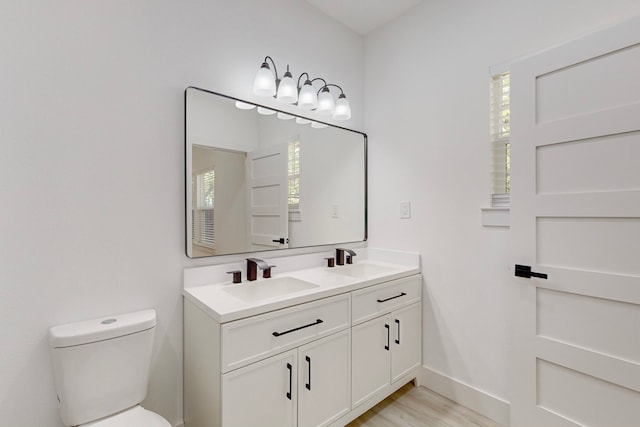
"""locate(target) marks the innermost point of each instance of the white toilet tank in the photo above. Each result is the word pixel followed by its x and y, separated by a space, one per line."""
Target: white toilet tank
pixel 102 366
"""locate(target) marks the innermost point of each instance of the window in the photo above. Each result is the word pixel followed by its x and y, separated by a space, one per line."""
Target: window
pixel 500 139
pixel 293 172
pixel 203 214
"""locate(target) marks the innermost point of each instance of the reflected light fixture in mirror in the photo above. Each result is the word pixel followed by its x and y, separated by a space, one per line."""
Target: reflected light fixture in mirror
pixel 306 97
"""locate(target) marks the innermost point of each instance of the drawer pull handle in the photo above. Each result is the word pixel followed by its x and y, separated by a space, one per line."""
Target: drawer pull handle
pixel 308 384
pixel 290 368
pixel 389 299
pixel 386 347
pixel 317 322
pixel 398 323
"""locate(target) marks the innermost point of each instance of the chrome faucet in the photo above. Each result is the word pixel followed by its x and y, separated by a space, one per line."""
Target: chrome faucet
pixel 340 256
pixel 252 268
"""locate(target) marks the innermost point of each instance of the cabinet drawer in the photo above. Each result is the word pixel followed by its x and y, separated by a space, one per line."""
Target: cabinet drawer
pixel 375 300
pixel 248 340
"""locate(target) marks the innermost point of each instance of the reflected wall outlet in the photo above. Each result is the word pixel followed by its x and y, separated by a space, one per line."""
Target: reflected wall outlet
pixel 405 210
pixel 335 211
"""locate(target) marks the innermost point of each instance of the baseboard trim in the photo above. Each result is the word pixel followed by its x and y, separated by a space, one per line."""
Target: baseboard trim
pixel 480 401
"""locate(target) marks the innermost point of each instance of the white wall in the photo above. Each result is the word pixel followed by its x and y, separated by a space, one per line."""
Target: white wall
pixel 426 94
pixel 91 224
pixel 331 174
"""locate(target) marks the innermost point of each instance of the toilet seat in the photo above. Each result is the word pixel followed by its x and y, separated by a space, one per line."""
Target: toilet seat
pixel 134 417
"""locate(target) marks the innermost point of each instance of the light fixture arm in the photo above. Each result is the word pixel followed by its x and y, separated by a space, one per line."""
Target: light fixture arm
pixel 275 70
pixel 331 84
pixel 323 81
pixel 299 78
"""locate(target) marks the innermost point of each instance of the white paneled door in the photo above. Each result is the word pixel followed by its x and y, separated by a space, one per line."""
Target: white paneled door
pixel 268 198
pixel 575 217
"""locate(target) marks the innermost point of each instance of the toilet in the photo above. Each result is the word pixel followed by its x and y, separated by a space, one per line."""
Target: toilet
pixel 101 369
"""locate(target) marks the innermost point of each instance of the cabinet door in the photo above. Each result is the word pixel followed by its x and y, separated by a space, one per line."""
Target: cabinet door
pixel 324 373
pixel 261 394
pixel 370 356
pixel 406 340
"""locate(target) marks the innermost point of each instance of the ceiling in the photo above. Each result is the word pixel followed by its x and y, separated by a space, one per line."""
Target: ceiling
pixel 364 16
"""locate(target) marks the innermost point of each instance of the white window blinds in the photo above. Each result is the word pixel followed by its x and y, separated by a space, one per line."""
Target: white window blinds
pixel 203 215
pixel 500 139
pixel 294 175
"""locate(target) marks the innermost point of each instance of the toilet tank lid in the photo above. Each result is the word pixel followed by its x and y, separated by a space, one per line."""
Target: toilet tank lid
pixel 104 328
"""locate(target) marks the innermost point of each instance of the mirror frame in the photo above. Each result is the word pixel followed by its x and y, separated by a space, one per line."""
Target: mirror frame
pixel 188 179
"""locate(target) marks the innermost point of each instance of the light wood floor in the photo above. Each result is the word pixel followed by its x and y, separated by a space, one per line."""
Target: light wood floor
pixel 413 406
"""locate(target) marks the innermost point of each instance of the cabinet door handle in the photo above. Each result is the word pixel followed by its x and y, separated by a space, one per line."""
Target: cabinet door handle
pixel 389 299
pixel 386 347
pixel 398 339
pixel 308 384
pixel 290 368
pixel 317 322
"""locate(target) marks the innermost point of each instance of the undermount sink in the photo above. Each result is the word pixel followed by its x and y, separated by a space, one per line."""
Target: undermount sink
pixel 361 270
pixel 268 288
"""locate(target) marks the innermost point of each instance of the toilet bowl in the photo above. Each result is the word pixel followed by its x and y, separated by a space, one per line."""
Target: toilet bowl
pixel 136 416
pixel 101 370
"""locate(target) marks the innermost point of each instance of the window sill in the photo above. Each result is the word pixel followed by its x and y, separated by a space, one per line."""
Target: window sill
pixel 495 217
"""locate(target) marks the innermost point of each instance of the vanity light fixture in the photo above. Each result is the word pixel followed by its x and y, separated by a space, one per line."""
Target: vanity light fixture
pixel 305 96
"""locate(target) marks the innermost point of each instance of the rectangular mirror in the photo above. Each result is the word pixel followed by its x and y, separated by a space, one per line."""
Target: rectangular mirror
pixel 257 182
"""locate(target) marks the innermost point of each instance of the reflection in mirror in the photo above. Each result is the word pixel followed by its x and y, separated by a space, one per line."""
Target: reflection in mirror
pixel 258 179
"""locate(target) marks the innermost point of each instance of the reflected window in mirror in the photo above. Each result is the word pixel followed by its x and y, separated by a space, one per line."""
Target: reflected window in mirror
pixel 294 175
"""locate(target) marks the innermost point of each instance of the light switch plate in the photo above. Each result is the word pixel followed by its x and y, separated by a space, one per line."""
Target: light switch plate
pixel 405 210
pixel 335 211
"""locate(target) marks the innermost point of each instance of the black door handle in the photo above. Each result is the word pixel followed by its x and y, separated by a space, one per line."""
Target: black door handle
pixel 525 271
pixel 290 368
pixel 280 240
pixel 398 323
pixel 386 347
pixel 308 384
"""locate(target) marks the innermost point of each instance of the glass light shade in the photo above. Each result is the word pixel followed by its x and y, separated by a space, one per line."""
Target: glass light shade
pixel 265 82
pixel 326 104
pixel 285 116
pixel 307 100
pixel 265 111
pixel 287 90
pixel 244 105
pixel 317 125
pixel 343 109
pixel 301 121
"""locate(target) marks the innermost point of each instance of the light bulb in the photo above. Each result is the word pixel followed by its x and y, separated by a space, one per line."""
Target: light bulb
pixel 244 105
pixel 284 116
pixel 264 83
pixel 265 111
pixel 302 121
pixel 287 89
pixel 326 104
pixel 308 100
pixel 343 109
pixel 317 125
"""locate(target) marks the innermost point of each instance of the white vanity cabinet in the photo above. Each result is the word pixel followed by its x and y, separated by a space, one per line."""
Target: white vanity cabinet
pixel 308 386
pixel 386 337
pixel 318 363
pixel 286 368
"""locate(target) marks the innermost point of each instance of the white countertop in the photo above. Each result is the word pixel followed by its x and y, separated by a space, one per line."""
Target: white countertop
pixel 223 307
